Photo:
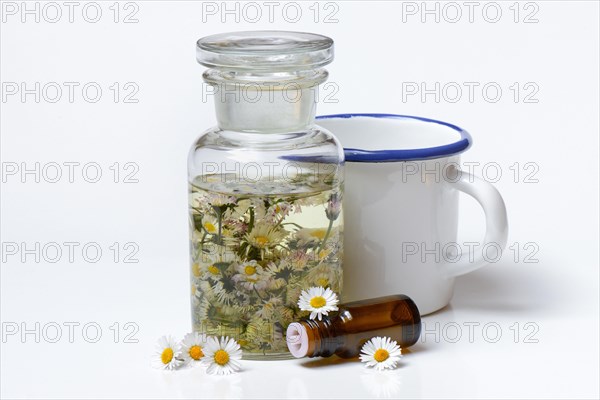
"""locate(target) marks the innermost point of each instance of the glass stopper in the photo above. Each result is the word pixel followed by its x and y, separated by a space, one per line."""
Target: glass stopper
pixel 265 51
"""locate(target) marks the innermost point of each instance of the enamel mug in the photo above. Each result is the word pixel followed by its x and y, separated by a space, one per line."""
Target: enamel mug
pixel 402 187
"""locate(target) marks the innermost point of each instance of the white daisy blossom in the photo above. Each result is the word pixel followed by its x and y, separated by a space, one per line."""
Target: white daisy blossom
pixel 308 236
pixel 279 211
pixel 192 347
pixel 210 225
pixel 222 356
pixel 264 236
pixel 250 275
pixel 216 199
pixel 166 354
pixel 319 301
pixel 381 353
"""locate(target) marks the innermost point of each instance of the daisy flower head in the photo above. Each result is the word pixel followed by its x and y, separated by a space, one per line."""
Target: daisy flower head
pixel 322 280
pixel 310 236
pixel 279 211
pixel 319 301
pixel 250 275
pixel 166 354
pixel 298 259
pixel 334 206
pixel 264 236
pixel 210 225
pixel 222 356
pixel 381 353
pixel 192 347
pixel 218 200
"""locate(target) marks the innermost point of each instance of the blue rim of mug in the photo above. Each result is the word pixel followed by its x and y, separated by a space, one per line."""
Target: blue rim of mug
pixel 426 153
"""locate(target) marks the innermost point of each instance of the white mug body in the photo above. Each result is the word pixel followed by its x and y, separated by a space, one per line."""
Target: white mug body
pixel 401 198
pixel 397 223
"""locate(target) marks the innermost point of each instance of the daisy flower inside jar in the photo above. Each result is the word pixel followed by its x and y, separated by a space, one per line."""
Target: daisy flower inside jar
pixel 250 275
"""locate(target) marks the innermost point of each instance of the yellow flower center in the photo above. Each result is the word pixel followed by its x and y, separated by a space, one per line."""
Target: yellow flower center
pixel 213 270
pixel 323 282
pixel 210 228
pixel 196 269
pixel 167 355
pixel 318 233
pixel 249 270
pixel 324 253
pixel 221 357
pixel 261 240
pixel 318 301
pixel 243 342
pixel 381 355
pixel 196 352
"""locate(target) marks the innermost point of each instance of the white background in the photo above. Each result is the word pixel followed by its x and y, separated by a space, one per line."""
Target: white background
pixel 378 48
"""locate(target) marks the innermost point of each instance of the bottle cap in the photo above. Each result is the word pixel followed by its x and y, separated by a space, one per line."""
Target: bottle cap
pixel 297 339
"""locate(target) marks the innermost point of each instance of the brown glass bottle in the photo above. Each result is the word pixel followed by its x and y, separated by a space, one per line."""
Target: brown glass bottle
pixel 343 333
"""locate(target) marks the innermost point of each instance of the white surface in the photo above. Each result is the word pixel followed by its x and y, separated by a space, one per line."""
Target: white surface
pixel 375 53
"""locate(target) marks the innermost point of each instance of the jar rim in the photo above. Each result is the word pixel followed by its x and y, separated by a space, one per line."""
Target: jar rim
pixel 265 51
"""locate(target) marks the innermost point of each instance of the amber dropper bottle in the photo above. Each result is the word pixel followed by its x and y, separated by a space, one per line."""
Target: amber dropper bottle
pixel 345 332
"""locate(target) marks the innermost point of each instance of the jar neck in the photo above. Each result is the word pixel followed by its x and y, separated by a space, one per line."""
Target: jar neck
pixel 265 102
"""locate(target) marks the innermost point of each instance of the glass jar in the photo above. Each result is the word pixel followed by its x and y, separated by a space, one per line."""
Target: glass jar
pixel 265 189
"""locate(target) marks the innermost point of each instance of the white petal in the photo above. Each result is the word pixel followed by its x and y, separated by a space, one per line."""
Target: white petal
pixel 395 353
pixel 211 368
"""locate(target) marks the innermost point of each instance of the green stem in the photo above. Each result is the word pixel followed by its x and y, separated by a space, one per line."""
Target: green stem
pixel 220 218
pixel 283 246
pixel 325 238
pixel 219 238
pixel 201 247
pixel 258 294
pixel 278 223
pixel 293 223
pixel 251 222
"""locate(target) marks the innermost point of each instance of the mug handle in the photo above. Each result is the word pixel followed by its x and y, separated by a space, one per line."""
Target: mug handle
pixel 495 219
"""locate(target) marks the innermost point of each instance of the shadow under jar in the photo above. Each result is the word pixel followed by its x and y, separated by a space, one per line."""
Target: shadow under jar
pixel 265 189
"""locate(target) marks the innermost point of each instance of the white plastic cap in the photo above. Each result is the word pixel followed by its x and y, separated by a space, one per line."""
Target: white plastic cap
pixel 297 340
